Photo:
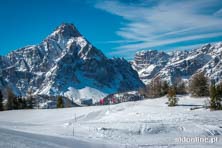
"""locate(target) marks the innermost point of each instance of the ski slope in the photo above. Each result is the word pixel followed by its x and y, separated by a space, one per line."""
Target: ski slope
pixel 14 139
pixel 147 123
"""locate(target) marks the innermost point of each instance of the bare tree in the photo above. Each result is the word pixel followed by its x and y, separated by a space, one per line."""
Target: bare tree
pixel 199 85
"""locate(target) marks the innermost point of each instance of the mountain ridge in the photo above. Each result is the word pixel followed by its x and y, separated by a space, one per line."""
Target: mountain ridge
pixel 66 63
pixel 183 63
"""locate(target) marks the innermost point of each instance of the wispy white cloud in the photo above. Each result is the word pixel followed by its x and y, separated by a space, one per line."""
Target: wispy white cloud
pixel 135 47
pixel 162 22
pixel 218 13
pixel 116 42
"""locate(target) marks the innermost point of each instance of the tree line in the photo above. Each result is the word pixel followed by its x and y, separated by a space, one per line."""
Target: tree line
pixel 199 85
pixel 15 102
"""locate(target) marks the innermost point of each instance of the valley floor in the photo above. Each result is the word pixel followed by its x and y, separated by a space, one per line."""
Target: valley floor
pixel 147 123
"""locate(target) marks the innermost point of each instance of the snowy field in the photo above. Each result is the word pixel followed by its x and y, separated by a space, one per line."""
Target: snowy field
pixel 147 123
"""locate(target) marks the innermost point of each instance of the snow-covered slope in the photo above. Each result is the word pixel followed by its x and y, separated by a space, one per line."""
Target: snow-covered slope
pixel 147 123
pixel 17 139
pixel 184 64
pixel 65 63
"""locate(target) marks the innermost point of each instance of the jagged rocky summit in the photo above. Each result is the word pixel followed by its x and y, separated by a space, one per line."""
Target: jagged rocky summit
pixel 65 63
pixel 184 64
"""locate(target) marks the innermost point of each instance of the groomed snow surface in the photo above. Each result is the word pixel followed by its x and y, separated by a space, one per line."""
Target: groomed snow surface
pixel 147 123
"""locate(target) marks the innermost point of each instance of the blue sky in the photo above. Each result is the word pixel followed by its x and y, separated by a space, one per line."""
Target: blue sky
pixel 118 27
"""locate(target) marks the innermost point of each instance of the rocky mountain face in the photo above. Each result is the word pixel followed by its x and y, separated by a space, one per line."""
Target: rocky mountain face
pixel 65 63
pixel 183 64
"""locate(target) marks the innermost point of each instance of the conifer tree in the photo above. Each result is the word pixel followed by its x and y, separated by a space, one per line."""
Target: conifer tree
pixel 179 86
pixel 12 100
pixel 157 88
pixel 164 88
pixel 172 100
pixel 20 103
pixel 60 103
pixel 1 101
pixel 24 104
pixel 29 103
pixel 215 100
pixel 199 85
pixel 30 99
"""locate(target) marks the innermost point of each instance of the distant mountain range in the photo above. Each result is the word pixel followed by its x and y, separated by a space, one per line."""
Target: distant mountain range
pixel 169 66
pixel 65 63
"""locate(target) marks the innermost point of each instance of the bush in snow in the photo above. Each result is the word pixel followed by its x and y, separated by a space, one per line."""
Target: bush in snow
pixel 172 100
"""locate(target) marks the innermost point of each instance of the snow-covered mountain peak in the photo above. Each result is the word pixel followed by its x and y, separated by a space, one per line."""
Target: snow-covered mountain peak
pixel 66 30
pixel 63 34
pixel 66 61
pixel 181 63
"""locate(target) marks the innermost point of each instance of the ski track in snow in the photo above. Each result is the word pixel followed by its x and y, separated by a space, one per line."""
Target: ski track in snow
pixel 147 123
